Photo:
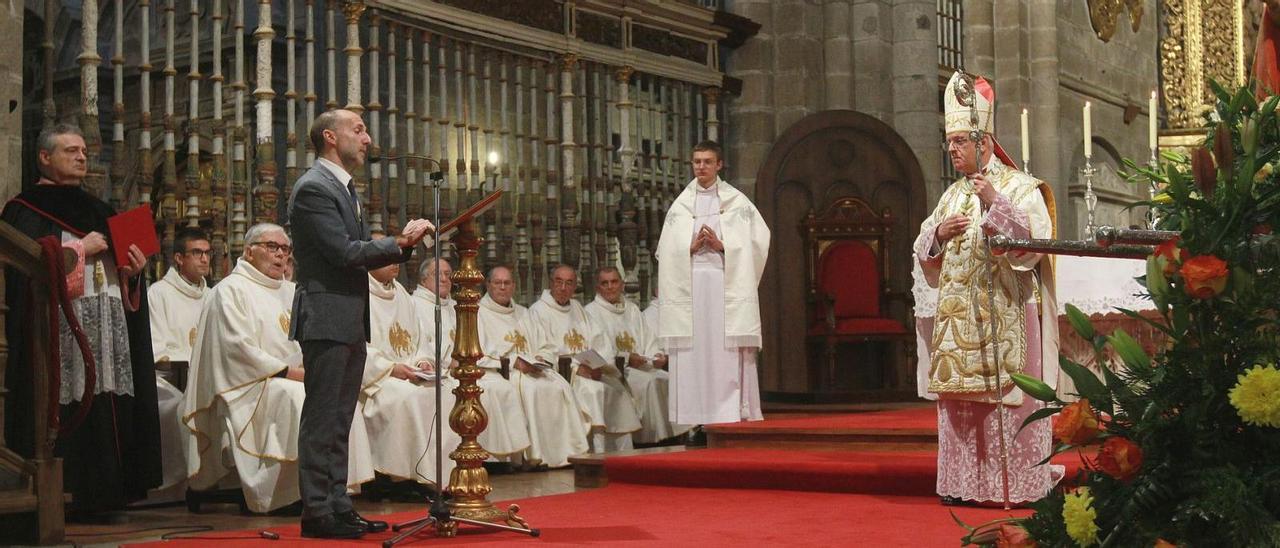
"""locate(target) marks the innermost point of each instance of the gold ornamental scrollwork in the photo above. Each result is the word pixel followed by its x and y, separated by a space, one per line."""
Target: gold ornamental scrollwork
pixel 1201 40
pixel 1104 14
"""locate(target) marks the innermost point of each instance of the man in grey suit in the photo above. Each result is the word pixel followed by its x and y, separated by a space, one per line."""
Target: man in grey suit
pixel 334 253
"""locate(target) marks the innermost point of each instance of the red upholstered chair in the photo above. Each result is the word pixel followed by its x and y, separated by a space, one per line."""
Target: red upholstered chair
pixel 848 285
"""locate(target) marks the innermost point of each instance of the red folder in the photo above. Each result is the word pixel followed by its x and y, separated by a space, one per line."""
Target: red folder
pixel 134 227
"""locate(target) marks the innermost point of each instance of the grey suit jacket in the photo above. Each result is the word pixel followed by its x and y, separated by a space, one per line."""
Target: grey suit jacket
pixel 334 253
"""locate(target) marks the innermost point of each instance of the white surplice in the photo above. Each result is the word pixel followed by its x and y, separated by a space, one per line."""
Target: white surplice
pixel 400 414
pixel 613 412
pixel 625 325
pixel 237 412
pixel 710 306
pixel 557 424
pixel 174 306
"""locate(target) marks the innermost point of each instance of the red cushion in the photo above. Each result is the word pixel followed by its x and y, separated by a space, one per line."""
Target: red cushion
pixel 861 326
pixel 848 272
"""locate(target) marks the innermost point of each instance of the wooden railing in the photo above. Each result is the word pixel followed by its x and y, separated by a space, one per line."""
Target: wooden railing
pixel 40 476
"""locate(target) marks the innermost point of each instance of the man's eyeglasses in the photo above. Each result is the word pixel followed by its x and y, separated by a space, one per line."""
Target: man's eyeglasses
pixel 198 253
pixel 564 283
pixel 955 142
pixel 275 247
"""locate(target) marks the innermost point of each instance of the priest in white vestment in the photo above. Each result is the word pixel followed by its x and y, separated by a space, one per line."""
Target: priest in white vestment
pixel 711 255
pixel 174 303
pixel 557 424
pixel 243 402
pixel 634 342
pixel 506 435
pixel 953 256
pixel 613 412
pixel 398 405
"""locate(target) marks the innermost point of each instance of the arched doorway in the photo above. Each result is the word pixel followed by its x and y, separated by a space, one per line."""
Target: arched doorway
pixel 823 157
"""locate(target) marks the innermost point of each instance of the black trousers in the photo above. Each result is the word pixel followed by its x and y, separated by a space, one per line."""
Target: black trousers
pixel 332 381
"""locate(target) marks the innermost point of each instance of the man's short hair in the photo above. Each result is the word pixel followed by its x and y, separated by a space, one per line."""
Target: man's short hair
pixel 46 140
pixel 256 231
pixel 607 269
pixel 495 268
pixel 187 235
pixel 709 146
pixel 571 268
pixel 327 120
pixel 429 266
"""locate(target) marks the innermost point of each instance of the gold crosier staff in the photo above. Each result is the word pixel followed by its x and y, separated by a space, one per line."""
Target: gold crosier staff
pixel 976 133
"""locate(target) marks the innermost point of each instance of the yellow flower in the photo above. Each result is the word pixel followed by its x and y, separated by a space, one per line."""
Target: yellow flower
pixel 1078 514
pixel 1256 396
pixel 1163 198
pixel 1263 173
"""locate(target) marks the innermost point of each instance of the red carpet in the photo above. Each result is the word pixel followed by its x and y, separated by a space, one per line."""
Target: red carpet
pixel 921 418
pixel 871 472
pixel 644 515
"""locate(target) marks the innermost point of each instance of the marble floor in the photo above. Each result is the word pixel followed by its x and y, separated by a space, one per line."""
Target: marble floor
pixel 144 524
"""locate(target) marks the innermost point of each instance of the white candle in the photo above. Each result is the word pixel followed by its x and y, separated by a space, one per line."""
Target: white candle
pixel 1088 131
pixel 1152 119
pixel 1026 140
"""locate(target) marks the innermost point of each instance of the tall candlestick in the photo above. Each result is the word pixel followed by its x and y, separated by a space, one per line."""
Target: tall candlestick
pixel 1026 141
pixel 1152 118
pixel 1088 131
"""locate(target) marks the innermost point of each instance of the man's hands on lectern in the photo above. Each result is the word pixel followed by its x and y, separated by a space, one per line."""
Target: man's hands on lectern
pixel 635 360
pixel 951 227
pixel 706 237
pixel 413 233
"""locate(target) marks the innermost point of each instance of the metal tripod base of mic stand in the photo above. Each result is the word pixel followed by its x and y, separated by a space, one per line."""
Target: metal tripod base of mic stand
pixel 441 520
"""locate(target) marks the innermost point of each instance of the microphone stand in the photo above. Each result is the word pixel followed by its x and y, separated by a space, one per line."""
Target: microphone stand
pixel 439 517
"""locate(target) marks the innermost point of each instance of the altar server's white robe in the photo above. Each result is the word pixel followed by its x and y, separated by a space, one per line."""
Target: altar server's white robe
pixel 625 326
pixel 399 414
pixel 174 306
pixel 608 402
pixel 237 413
pixel 557 423
pixel 710 306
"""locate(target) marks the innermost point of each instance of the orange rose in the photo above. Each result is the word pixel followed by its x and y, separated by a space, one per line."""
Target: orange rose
pixel 1076 424
pixel 1013 536
pixel 1120 458
pixel 1205 276
pixel 1172 255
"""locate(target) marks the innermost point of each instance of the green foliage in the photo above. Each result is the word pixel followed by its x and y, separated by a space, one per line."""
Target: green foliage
pixel 1206 478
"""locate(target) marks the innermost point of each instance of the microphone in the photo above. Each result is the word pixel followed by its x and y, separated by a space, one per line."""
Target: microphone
pixel 434 175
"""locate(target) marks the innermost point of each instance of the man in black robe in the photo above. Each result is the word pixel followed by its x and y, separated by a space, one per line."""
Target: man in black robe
pixel 113 457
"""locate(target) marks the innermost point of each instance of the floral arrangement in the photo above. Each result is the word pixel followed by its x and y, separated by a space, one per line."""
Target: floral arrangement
pixel 1181 448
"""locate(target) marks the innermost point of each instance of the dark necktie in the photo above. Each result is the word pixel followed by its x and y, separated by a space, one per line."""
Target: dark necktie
pixel 355 202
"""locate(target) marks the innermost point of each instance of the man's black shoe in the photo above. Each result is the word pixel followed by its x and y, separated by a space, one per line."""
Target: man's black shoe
pixel 329 526
pixel 350 517
pixel 697 437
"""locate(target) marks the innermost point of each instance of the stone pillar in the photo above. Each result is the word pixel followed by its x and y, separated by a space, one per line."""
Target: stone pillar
pixel 872 32
pixel 837 55
pixel 979 27
pixel 1045 116
pixel 751 127
pixel 915 88
pixel 11 118
pixel 797 70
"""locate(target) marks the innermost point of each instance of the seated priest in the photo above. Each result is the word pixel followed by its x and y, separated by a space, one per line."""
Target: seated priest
pixel 398 392
pixel 613 413
pixel 634 342
pixel 557 423
pixel 175 302
pixel 243 403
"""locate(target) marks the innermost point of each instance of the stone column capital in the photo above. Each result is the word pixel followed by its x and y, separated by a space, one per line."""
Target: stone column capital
pixel 712 93
pixel 568 62
pixel 623 74
pixel 351 10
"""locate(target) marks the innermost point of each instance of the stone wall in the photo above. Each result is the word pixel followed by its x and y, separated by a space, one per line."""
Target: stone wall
pixel 11 103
